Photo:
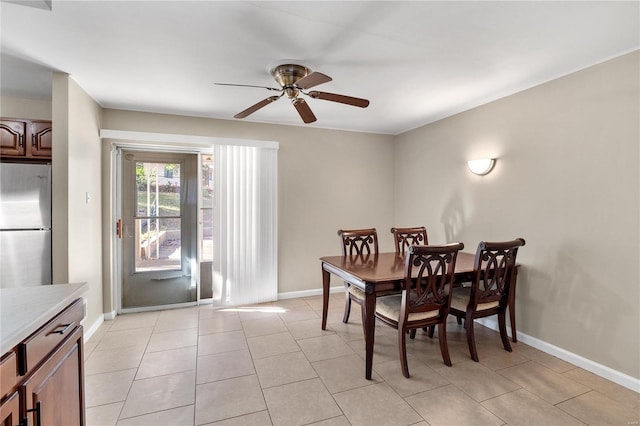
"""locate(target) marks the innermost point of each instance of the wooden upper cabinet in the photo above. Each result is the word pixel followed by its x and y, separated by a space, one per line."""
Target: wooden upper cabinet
pixel 41 138
pixel 12 136
pixel 26 139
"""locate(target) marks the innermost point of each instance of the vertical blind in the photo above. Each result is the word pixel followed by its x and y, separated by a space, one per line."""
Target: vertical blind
pixel 245 266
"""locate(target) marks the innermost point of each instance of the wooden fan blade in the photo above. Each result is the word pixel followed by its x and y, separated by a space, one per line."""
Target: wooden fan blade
pixel 303 109
pixel 256 107
pixel 349 100
pixel 312 80
pixel 248 85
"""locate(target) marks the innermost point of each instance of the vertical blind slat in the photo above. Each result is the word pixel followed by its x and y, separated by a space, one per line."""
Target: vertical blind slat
pixel 246 237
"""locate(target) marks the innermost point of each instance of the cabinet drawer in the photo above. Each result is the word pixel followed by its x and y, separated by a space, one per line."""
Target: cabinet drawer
pixel 35 348
pixel 8 372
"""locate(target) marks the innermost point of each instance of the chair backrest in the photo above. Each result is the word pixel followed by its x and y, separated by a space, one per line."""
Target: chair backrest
pixel 359 241
pixel 493 273
pixel 429 274
pixel 406 237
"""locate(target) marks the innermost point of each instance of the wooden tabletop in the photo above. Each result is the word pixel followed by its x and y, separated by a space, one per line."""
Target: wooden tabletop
pixel 385 267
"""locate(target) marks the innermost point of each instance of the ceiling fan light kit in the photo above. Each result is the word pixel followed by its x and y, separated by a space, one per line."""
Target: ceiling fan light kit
pixel 293 80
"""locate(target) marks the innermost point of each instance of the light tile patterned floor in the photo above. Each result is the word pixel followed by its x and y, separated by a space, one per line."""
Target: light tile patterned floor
pixel 272 365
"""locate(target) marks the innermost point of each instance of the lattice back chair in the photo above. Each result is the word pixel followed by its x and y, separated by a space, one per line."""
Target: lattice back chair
pixel 493 279
pixel 357 242
pixel 425 298
pixel 406 237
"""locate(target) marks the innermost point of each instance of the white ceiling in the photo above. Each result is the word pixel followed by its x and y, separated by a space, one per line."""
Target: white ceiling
pixel 416 62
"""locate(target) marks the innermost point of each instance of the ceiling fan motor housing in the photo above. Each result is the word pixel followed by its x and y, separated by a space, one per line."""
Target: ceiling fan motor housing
pixel 287 75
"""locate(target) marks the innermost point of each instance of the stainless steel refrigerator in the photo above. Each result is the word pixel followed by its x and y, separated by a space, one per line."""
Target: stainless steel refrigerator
pixel 25 224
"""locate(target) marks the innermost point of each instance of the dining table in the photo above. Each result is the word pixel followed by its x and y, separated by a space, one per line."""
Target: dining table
pixel 381 272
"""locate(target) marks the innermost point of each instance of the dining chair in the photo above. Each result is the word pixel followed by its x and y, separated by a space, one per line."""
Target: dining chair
pixel 493 279
pixel 357 242
pixel 405 237
pixel 425 297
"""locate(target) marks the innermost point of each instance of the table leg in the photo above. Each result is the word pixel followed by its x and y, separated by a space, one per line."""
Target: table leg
pixel 326 277
pixel 512 306
pixel 370 326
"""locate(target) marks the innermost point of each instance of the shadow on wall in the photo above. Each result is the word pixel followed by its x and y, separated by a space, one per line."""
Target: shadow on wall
pixel 582 302
pixel 453 218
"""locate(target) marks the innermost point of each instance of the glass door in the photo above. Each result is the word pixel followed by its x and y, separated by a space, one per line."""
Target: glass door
pixel 159 209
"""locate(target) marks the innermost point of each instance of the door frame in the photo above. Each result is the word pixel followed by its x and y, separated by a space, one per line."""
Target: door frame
pixel 143 140
pixel 116 203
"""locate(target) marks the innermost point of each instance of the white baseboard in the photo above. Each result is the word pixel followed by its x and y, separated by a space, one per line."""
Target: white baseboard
pixel 309 293
pixel 88 331
pixel 109 316
pixel 592 366
pixel 608 373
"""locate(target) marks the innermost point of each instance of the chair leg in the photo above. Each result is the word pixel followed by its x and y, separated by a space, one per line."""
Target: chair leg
pixel 431 329
pixel 459 319
pixel 444 348
pixel 412 333
pixel 347 308
pixel 402 347
pixel 471 341
pixel 502 324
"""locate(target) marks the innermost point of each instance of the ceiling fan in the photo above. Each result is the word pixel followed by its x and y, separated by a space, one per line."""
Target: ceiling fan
pixel 295 79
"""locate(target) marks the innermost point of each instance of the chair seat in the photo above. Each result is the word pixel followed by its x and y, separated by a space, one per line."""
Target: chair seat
pixel 460 299
pixel 389 307
pixel 356 292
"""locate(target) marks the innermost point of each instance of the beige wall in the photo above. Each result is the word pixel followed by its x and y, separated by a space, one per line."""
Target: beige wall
pixel 60 178
pixel 77 224
pixel 567 180
pixel 25 108
pixel 327 180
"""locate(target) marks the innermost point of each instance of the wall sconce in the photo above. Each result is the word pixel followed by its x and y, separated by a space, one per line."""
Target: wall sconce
pixel 481 167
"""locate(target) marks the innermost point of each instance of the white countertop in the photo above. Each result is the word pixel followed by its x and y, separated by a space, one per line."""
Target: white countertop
pixel 26 309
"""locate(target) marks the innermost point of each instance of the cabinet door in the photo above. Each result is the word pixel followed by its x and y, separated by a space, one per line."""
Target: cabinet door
pixel 41 138
pixel 54 393
pixel 10 411
pixel 12 137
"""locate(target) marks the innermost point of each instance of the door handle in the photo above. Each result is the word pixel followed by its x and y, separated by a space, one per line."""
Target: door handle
pixel 63 328
pixel 38 419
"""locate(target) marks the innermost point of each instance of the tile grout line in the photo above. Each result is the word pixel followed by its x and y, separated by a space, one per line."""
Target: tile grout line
pixel 253 363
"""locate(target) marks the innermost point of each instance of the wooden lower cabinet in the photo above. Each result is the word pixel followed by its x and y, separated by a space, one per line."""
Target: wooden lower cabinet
pixel 53 392
pixel 43 376
pixel 10 410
